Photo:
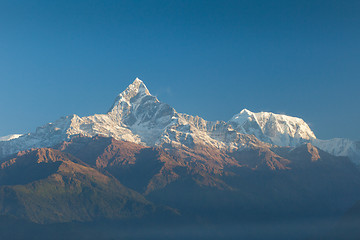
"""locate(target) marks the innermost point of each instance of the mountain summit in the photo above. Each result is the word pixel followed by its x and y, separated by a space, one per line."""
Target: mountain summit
pixel 139 117
pixel 136 88
pixel 278 129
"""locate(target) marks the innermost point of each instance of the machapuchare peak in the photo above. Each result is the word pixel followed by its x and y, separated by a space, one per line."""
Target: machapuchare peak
pixel 137 87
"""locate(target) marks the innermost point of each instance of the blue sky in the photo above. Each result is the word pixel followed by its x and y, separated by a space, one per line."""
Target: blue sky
pixel 206 58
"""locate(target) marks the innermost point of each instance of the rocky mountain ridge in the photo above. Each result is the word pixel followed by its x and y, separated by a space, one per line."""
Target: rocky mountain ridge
pixel 139 117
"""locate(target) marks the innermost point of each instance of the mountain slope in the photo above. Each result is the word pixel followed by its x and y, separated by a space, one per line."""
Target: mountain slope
pixel 10 137
pixel 147 169
pixel 340 147
pixel 210 182
pixel 304 182
pixel 206 184
pixel 277 129
pixel 139 117
pixel 46 185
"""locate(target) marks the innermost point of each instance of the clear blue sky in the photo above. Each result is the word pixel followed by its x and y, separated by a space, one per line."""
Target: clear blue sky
pixel 210 58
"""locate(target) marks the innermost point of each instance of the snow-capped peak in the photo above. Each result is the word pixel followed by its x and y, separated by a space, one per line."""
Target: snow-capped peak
pixel 10 137
pixel 137 87
pixel 245 111
pixel 132 97
pixel 139 117
pixel 242 117
pixel 274 128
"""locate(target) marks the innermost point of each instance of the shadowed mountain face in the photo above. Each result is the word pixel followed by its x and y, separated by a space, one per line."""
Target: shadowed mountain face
pixel 99 179
pixel 143 163
pixel 347 227
pixel 224 185
pixel 46 185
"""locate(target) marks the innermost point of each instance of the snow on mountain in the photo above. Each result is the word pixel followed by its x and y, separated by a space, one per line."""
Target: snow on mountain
pixel 283 130
pixel 273 128
pixel 157 123
pixel 140 112
pixel 10 137
pixel 340 147
pixel 139 117
pixel 136 116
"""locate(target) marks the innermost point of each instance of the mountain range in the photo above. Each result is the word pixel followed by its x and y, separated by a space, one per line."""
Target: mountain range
pixel 141 164
pixel 139 117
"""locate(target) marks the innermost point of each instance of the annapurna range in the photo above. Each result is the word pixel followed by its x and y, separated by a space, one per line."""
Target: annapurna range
pixel 139 117
pixel 144 164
